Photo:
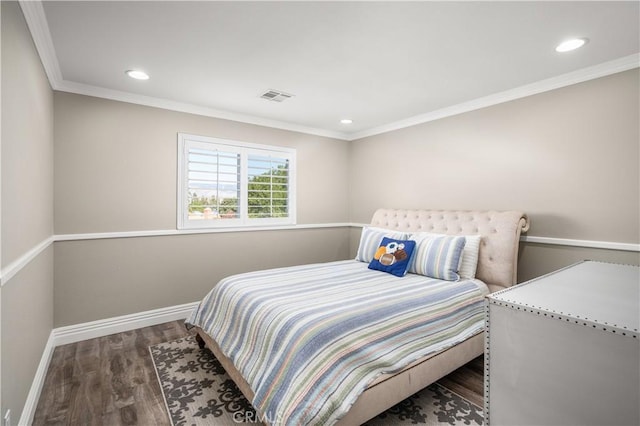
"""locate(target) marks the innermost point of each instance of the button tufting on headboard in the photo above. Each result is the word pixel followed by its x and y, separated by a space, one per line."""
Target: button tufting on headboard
pixel 500 230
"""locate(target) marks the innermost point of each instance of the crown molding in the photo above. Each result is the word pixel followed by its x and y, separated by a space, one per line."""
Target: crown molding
pixel 37 23
pixel 134 98
pixel 39 28
pixel 563 80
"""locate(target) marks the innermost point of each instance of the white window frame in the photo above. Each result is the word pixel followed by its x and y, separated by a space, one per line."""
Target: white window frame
pixel 244 149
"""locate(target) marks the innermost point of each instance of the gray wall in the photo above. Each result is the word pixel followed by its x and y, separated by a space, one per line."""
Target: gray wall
pixel 568 158
pixel 116 165
pixel 27 208
pixel 115 170
pixel 27 321
pixel 111 277
pixel 539 259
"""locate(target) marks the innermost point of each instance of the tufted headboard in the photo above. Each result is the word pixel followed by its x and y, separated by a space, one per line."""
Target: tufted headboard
pixel 500 230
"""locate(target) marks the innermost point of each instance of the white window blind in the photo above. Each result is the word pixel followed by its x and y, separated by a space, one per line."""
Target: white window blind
pixel 268 191
pixel 226 183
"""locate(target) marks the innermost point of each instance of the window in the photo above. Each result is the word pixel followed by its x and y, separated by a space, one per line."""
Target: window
pixel 224 183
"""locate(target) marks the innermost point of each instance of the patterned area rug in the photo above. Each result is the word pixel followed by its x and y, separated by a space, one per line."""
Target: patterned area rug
pixel 198 391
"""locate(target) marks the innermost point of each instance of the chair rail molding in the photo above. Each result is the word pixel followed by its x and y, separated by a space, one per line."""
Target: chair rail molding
pixel 14 267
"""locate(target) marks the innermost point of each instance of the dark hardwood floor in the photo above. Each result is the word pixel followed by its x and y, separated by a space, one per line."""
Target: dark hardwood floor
pixel 111 381
pixel 106 381
pixel 467 381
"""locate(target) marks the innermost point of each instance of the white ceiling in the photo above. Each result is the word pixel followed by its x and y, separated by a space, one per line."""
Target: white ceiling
pixel 383 64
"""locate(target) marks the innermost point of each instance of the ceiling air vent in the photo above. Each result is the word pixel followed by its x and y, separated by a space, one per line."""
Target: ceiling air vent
pixel 275 95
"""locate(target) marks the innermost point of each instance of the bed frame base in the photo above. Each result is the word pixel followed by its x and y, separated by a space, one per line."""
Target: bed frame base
pixel 387 390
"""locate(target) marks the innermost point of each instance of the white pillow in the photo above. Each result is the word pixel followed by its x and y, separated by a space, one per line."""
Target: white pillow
pixel 370 241
pixel 469 261
pixel 470 252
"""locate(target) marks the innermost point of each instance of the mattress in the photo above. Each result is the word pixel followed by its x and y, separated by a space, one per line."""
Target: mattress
pixel 309 339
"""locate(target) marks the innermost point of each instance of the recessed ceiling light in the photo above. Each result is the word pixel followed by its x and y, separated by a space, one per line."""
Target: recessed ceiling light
pixel 346 121
pixel 137 74
pixel 573 44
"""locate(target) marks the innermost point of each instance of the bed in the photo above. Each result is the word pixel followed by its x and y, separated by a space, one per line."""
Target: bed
pixel 269 366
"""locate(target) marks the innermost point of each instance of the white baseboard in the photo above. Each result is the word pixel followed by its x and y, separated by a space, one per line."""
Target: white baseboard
pixel 89 330
pixel 93 329
pixel 30 405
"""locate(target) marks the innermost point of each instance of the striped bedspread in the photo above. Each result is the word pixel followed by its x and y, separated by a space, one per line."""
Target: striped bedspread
pixel 309 339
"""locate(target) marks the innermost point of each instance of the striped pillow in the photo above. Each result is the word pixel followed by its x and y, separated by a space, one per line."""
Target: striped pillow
pixel 470 254
pixel 370 241
pixel 438 256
